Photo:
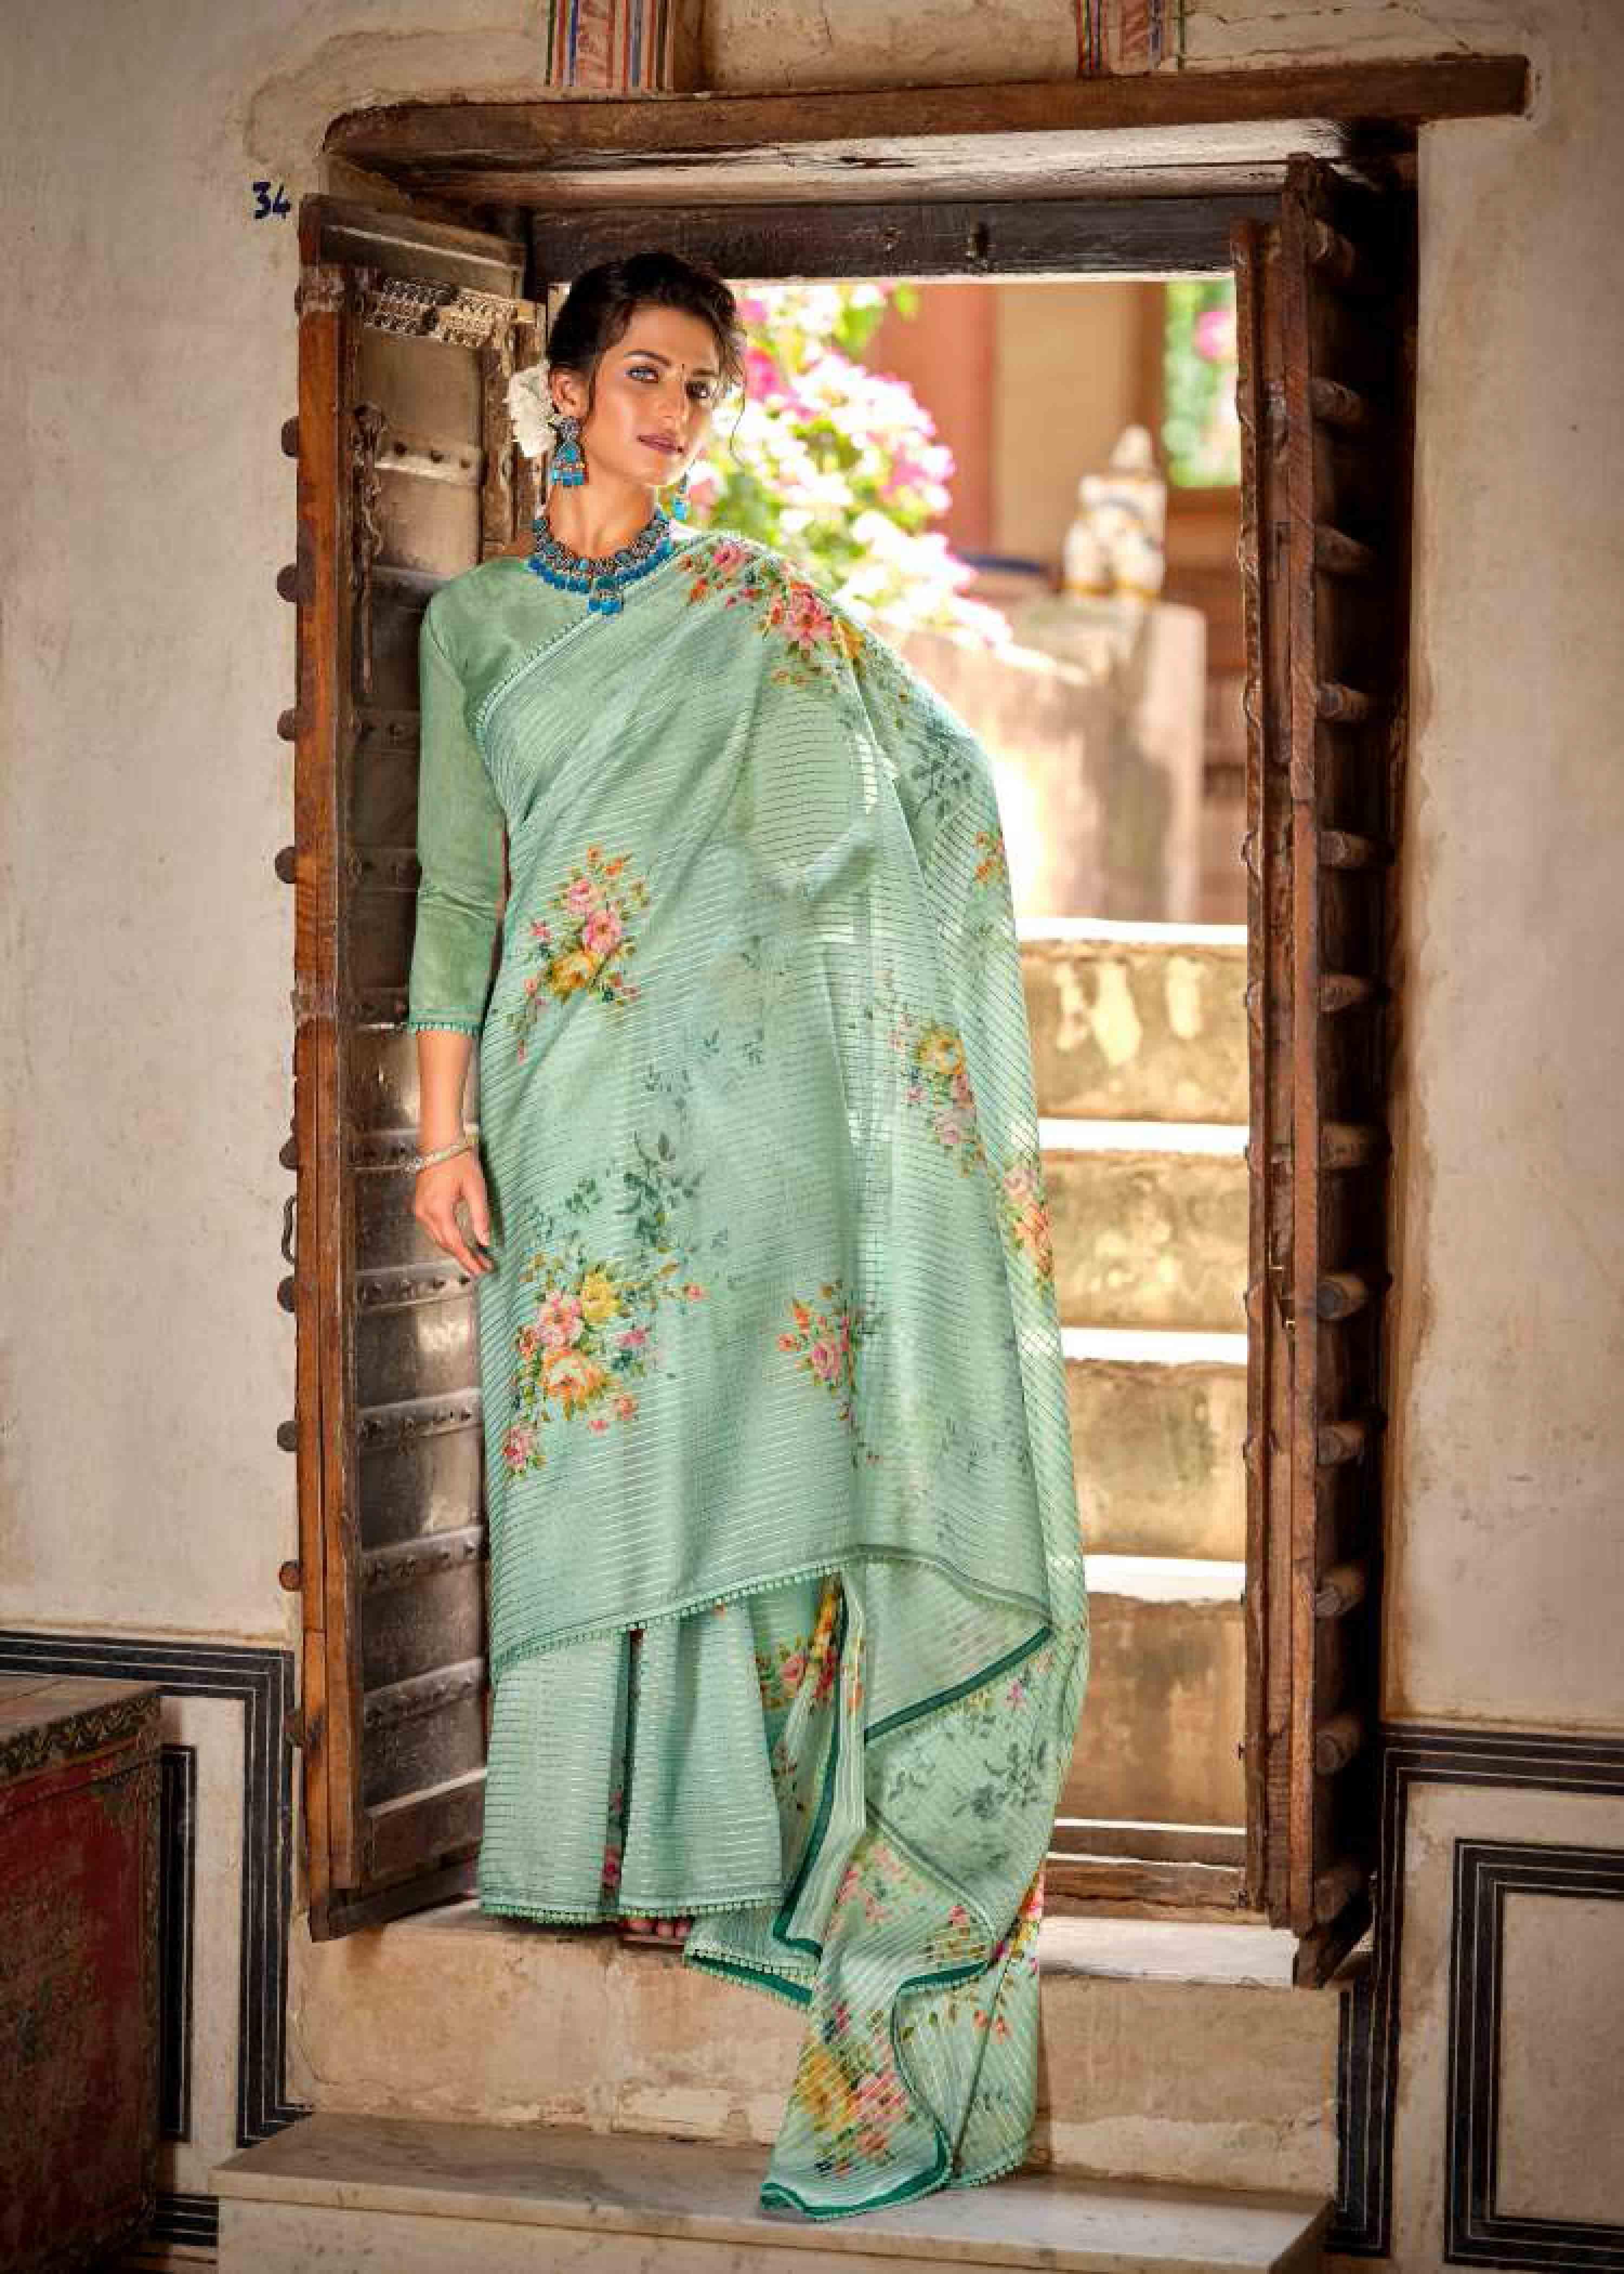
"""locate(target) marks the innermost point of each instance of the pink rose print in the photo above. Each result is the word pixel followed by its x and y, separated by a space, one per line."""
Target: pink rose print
pixel 824 1341
pixel 602 930
pixel 592 948
pixel 559 1320
pixel 591 1336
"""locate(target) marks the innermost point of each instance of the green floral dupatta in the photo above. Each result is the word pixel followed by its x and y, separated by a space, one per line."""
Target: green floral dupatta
pixel 774 1327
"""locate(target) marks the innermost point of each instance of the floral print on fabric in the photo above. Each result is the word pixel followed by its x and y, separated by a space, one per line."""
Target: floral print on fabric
pixel 945 773
pixel 1024 1208
pixel 1014 1958
pixel 936 1081
pixel 591 1329
pixel 965 1989
pixel 825 1340
pixel 824 645
pixel 785 608
pixel 781 1671
pixel 586 946
pixel 853 2102
pixel 992 861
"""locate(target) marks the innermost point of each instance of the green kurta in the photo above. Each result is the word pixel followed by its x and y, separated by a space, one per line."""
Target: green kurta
pixel 789 1620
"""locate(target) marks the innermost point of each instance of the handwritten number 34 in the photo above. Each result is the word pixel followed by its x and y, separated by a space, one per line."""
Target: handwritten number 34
pixel 265 206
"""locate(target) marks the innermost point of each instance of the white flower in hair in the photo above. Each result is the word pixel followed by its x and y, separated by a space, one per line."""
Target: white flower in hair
pixel 529 407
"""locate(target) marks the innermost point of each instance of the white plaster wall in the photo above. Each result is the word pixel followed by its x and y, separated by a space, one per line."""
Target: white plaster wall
pixel 1508 1551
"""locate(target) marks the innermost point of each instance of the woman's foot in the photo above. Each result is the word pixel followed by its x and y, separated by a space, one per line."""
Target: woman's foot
pixel 672 1930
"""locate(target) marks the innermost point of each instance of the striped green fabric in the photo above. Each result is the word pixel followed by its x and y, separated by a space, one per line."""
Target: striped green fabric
pixel 789 1625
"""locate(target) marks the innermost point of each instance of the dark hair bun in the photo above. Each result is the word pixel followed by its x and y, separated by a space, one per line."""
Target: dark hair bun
pixel 600 304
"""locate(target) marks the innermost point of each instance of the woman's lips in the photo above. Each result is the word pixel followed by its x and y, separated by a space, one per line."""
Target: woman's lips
pixel 653 442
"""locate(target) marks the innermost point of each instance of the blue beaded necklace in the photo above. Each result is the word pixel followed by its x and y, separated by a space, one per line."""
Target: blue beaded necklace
pixel 601 580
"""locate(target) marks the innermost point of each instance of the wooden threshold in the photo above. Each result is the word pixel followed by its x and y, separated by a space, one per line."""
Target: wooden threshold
pixel 1178 132
pixel 1071 1882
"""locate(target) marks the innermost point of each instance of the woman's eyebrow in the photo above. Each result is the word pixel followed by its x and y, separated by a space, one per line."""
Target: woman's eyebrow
pixel 700 371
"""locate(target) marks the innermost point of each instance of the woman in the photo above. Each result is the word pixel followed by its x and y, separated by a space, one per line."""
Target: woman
pixel 788 1620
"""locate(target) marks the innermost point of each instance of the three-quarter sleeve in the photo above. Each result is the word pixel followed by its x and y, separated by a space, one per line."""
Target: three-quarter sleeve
pixel 459 843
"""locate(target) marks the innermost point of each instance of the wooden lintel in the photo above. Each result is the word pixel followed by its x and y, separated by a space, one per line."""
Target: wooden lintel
pixel 1011 237
pixel 568 127
pixel 930 140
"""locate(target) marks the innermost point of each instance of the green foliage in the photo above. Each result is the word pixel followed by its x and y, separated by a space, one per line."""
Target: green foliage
pixel 1200 435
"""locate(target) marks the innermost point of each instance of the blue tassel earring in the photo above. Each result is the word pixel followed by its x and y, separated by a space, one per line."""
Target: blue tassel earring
pixel 678 503
pixel 567 467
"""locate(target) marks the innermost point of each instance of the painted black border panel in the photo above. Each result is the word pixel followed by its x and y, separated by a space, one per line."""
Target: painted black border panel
pixel 260 1680
pixel 1422 1753
pixel 177 1828
pixel 192 2219
pixel 1487 1871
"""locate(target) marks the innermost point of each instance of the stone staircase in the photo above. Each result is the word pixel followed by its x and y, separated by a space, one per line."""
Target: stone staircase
pixel 495 2097
pixel 1139 1047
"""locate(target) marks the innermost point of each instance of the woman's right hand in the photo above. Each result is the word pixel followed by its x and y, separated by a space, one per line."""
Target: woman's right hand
pixel 439 1193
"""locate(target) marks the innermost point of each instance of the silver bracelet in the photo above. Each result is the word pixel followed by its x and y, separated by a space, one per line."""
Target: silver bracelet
pixel 420 1160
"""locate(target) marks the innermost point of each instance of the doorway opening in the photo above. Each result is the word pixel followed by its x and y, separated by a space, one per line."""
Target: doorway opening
pixel 1031 488
pixel 410 321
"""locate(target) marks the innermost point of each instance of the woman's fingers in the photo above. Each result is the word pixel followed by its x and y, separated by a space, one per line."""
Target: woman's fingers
pixel 440 1191
pixel 479 1210
pixel 472 1191
pixel 449 1236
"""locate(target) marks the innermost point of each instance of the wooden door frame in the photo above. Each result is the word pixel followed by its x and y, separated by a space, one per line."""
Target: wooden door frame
pixel 1141 176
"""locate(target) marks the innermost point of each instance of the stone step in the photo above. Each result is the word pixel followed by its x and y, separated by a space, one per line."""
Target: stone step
pixel 1165 1710
pixel 355 2195
pixel 1141 1022
pixel 1149 1222
pixel 1158 1421
pixel 1205 2069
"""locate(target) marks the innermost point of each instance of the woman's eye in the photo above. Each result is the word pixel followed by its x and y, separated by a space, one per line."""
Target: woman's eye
pixel 701 388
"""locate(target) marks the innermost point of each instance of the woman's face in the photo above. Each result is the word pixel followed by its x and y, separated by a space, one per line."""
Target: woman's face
pixel 657 384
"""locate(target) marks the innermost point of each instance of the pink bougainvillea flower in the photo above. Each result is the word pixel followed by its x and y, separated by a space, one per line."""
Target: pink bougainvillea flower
pixel 1214 334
